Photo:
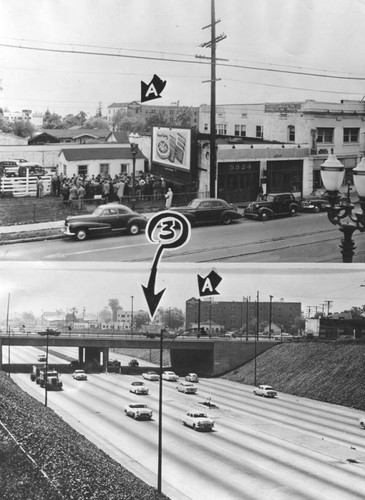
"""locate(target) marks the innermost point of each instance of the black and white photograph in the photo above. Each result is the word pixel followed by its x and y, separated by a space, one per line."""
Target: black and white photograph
pixel 182 221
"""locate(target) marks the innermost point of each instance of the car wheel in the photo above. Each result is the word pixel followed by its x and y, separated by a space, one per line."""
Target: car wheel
pixel 81 234
pixel 362 425
pixel 316 209
pixel 226 219
pixel 264 215
pixel 133 229
pixel 194 427
pixel 293 211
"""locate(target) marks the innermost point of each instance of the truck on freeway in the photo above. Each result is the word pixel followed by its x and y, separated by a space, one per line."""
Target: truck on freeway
pixel 50 379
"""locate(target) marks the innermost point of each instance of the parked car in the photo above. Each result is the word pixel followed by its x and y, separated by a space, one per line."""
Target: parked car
pixel 283 336
pixel 138 388
pixel 362 422
pixel 266 391
pixel 192 377
pixel 151 375
pixel 106 219
pixel 9 168
pixel 42 358
pixel 273 205
pixel 198 420
pixel 170 376
pixel 186 387
pixel 314 205
pixel 79 375
pixel 138 411
pixel 209 210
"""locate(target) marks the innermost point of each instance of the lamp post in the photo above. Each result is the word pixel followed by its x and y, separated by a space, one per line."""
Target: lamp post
pixel 46 370
pixel 340 210
pixel 270 316
pixel 132 297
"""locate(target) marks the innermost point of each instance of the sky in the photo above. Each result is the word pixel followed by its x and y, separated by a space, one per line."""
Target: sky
pixel 67 55
pixel 39 287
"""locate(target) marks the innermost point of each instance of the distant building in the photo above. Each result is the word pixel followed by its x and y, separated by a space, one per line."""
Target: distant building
pixel 233 315
pixel 71 135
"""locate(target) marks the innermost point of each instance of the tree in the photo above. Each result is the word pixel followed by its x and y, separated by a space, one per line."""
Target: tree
pixel 114 306
pixel 81 117
pixel 156 120
pixel 172 317
pixel 105 316
pixel 99 111
pixel 184 116
pixel 52 120
pixel 23 128
pixel 5 126
pixel 140 318
pixel 98 123
pixel 128 122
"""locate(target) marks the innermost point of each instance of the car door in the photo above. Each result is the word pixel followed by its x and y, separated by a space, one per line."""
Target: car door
pixel 110 216
pixel 217 209
pixel 204 211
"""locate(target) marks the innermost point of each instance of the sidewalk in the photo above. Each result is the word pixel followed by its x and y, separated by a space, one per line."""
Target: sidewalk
pixel 39 226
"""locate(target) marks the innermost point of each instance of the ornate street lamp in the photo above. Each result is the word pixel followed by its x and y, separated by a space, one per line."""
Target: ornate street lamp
pixel 340 209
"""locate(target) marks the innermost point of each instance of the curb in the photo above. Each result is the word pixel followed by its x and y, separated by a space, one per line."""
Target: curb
pixel 30 239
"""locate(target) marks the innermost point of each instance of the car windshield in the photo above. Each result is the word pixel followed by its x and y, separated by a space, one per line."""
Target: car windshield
pixel 200 415
pixel 137 405
pixel 79 371
pixel 270 197
pixel 98 211
pixel 194 203
pixel 137 383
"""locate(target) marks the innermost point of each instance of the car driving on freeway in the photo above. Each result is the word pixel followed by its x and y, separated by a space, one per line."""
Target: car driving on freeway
pixel 170 376
pixel 186 387
pixel 138 387
pixel 106 219
pixel 79 375
pixel 209 210
pixel 192 377
pixel 151 375
pixel 362 422
pixel 198 420
pixel 138 411
pixel 266 391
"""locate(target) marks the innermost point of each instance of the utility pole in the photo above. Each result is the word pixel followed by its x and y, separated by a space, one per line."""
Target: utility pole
pixel 247 315
pixel 212 44
pixel 329 303
pixel 270 315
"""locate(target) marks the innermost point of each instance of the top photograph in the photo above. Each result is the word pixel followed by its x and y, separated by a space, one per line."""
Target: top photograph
pixel 244 121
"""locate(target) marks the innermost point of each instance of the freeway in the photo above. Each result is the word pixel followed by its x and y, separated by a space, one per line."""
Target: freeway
pixel 278 449
pixel 305 238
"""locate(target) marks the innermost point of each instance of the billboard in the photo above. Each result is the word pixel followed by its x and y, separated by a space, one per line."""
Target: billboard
pixel 171 147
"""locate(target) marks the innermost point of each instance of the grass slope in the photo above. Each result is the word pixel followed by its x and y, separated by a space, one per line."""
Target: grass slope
pixel 330 371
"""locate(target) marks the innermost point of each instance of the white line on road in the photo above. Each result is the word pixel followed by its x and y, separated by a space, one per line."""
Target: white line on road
pixel 105 249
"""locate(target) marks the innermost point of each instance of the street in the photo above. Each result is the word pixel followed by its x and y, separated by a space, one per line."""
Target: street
pixel 305 238
pixel 283 448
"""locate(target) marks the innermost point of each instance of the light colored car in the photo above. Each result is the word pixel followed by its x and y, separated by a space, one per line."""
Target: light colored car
pixel 266 391
pixel 170 376
pixel 198 420
pixel 138 411
pixel 79 375
pixel 362 422
pixel 42 358
pixel 283 336
pixel 138 388
pixel 187 387
pixel 151 375
pixel 192 377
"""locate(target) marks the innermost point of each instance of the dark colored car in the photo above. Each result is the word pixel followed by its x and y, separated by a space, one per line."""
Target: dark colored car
pixel 209 210
pixel 50 331
pixel 273 205
pixel 314 205
pixel 106 219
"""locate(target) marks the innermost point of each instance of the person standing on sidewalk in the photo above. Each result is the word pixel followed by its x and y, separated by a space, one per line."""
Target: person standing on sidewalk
pixel 40 188
pixel 168 198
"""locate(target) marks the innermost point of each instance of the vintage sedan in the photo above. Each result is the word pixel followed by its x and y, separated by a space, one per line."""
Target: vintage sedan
pixel 106 219
pixel 198 420
pixel 192 377
pixel 186 387
pixel 138 411
pixel 209 210
pixel 79 375
pixel 138 388
pixel 266 391
pixel 314 205
pixel 170 376
pixel 362 422
pixel 151 375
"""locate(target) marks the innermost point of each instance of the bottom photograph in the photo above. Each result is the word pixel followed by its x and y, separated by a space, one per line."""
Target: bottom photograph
pixel 190 381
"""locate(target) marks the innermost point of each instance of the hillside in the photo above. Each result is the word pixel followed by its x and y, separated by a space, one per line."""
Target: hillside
pixel 327 371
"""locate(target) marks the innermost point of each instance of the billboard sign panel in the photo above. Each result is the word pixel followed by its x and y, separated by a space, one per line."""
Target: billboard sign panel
pixel 171 147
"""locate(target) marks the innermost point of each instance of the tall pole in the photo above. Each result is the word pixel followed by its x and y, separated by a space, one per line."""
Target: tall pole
pixel 46 372
pixel 8 332
pixel 132 297
pixel 247 315
pixel 257 333
pixel 198 333
pixel 213 153
pixel 159 465
pixel 270 316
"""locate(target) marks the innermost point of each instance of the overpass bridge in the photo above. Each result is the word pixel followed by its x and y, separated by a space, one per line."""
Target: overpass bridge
pixel 208 357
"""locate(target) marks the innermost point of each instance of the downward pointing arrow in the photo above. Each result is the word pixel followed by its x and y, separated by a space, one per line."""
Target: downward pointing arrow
pixel 152 298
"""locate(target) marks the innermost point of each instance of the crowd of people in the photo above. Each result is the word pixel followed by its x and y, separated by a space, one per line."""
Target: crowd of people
pixel 75 189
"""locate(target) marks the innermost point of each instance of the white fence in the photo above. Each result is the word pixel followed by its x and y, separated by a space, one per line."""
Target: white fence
pixel 24 186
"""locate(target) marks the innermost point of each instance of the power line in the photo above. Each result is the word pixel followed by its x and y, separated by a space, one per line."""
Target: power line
pixel 169 59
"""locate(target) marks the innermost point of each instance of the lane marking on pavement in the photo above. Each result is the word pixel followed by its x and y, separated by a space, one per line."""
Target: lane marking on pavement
pixel 105 249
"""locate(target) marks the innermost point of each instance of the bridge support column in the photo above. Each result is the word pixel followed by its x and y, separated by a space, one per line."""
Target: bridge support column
pixel 1 355
pixel 81 355
pixel 105 358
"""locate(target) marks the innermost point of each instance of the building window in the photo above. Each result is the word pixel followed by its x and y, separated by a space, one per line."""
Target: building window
pixel 243 115
pixel 259 131
pixel 123 168
pixel 221 128
pixel 325 135
pixel 291 133
pixel 104 168
pixel 351 134
pixel 206 127
pixel 82 170
pixel 240 130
